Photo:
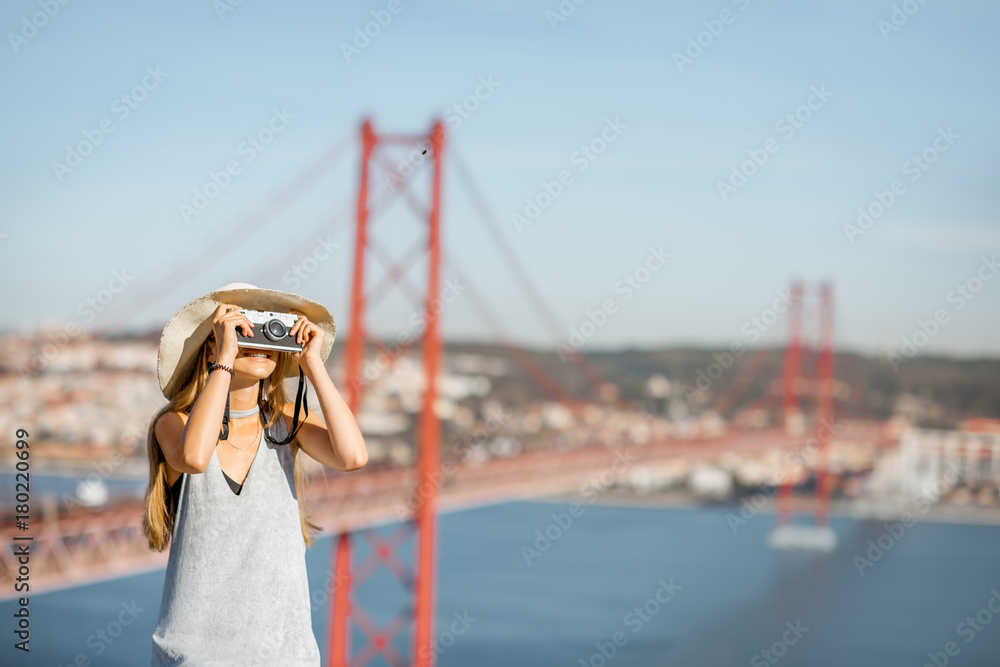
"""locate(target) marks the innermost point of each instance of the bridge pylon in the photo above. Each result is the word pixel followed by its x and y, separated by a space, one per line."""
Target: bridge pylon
pixel 420 579
pixel 786 534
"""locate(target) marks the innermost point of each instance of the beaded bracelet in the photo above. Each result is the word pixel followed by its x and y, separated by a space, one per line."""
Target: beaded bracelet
pixel 213 367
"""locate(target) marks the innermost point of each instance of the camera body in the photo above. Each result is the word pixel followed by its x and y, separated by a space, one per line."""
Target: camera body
pixel 270 331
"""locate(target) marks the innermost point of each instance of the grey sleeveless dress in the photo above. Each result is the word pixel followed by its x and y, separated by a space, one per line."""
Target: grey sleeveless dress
pixel 236 592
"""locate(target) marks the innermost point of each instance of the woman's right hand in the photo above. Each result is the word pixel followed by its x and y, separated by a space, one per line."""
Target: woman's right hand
pixel 227 318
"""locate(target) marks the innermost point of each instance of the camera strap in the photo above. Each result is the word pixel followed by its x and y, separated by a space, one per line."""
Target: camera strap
pixel 224 434
pixel 301 400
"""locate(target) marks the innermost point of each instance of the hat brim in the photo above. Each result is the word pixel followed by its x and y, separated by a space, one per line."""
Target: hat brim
pixel 190 327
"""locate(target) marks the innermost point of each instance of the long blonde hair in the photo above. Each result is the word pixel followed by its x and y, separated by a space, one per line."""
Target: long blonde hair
pixel 158 519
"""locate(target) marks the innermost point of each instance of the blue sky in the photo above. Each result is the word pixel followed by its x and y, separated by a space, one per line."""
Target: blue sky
pixel 554 90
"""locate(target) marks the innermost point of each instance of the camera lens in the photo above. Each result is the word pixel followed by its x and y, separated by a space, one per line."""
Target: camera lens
pixel 275 329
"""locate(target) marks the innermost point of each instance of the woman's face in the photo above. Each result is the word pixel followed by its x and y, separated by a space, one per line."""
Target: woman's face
pixel 250 361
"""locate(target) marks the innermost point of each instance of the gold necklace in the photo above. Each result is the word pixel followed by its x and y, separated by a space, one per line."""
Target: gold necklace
pixel 251 442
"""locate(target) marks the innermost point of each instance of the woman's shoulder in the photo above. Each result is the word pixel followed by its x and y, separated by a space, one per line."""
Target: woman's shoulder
pixel 169 422
pixel 168 417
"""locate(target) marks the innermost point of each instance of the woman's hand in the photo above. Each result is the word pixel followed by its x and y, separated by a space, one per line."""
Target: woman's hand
pixel 335 440
pixel 227 318
pixel 310 337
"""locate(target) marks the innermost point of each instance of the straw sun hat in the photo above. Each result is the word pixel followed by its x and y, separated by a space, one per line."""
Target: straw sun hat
pixel 191 326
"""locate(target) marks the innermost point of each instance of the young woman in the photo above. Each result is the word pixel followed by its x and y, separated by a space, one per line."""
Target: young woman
pixel 224 486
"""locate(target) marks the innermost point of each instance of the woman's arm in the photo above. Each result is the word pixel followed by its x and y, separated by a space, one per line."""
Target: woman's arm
pixel 188 447
pixel 185 440
pixel 338 444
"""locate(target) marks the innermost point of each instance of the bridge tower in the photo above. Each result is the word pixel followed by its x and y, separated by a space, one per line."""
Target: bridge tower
pixel 419 580
pixel 820 536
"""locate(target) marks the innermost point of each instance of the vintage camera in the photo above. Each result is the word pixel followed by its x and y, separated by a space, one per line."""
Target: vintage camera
pixel 270 331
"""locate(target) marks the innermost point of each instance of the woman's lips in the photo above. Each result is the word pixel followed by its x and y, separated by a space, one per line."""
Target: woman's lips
pixel 248 354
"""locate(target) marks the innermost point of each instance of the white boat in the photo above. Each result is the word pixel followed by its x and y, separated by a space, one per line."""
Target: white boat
pixel 807 538
pixel 92 492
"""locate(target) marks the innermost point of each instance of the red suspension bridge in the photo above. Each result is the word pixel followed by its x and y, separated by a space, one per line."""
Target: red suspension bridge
pixel 85 545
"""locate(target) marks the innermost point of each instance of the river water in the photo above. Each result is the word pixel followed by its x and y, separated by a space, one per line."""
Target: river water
pixel 625 586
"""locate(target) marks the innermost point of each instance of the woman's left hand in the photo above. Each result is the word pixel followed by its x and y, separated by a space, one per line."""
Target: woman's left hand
pixel 310 337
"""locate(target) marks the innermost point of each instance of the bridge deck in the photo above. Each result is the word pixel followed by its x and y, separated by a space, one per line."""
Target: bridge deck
pixel 92 545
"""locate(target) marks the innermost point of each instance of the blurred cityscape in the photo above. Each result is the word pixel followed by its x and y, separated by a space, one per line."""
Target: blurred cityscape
pixel 87 404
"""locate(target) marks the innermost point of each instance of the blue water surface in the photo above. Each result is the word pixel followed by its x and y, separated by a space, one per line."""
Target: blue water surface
pixel 507 597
